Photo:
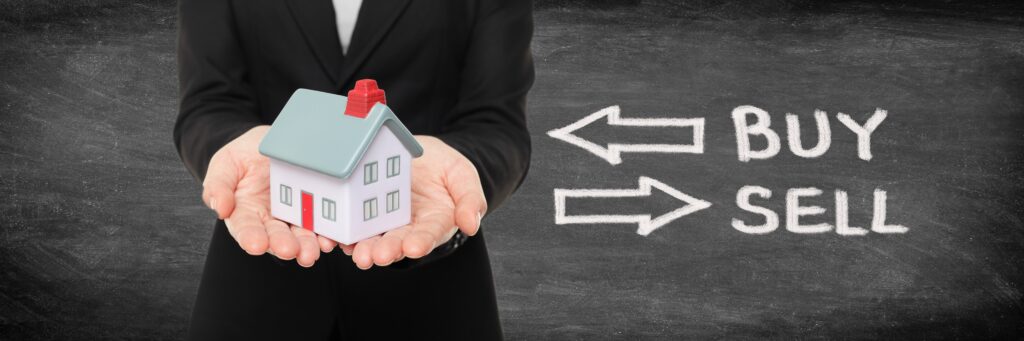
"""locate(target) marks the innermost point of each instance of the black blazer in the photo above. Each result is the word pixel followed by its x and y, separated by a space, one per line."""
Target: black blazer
pixel 455 69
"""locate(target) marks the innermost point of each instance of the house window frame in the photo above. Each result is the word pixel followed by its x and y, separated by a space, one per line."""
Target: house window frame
pixel 392 201
pixel 285 194
pixel 329 209
pixel 370 173
pixel 394 166
pixel 369 209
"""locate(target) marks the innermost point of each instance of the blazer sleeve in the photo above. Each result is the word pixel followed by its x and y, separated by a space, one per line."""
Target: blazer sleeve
pixel 488 123
pixel 217 101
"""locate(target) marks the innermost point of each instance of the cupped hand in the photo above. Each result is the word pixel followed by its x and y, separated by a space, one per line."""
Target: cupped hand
pixel 446 196
pixel 237 187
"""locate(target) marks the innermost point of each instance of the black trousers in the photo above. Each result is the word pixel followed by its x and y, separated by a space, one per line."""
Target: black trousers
pixel 243 297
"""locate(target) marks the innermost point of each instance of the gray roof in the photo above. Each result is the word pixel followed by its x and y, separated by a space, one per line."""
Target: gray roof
pixel 313 131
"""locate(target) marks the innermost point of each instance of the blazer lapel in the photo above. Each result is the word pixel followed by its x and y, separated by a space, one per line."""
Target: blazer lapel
pixel 317 23
pixel 376 17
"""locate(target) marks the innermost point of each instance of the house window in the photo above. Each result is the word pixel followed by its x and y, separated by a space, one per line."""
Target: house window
pixel 286 195
pixel 370 173
pixel 329 209
pixel 370 209
pixel 392 204
pixel 393 166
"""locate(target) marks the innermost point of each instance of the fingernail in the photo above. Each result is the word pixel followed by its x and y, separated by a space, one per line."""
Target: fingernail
pixel 213 204
pixel 479 218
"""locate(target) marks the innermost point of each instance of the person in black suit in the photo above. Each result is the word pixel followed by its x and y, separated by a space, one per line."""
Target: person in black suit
pixel 456 72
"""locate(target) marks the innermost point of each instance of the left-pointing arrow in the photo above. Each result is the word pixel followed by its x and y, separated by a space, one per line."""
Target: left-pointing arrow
pixel 645 224
pixel 612 153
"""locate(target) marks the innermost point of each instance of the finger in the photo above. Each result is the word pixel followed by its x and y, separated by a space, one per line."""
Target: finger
pixel 219 186
pixel 468 213
pixel 309 251
pixel 362 255
pixel 389 247
pixel 347 249
pixel 470 202
pixel 283 243
pixel 326 244
pixel 248 230
pixel 425 234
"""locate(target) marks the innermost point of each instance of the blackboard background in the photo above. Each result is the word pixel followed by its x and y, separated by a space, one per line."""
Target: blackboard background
pixel 103 234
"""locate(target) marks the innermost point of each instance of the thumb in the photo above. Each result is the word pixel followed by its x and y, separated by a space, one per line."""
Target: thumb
pixel 470 203
pixel 219 186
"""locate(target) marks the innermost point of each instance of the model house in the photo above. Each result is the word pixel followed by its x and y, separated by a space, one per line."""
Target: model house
pixel 340 166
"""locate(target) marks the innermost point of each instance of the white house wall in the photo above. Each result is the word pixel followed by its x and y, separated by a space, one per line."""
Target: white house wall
pixel 384 145
pixel 320 186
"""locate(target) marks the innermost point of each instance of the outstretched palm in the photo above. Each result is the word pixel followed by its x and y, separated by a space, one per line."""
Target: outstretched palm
pixel 237 187
pixel 446 196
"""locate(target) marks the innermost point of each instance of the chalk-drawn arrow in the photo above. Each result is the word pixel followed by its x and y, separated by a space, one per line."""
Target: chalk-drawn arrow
pixel 645 224
pixel 612 152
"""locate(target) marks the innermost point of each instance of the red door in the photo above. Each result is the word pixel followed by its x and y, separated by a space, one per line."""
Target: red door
pixel 307 211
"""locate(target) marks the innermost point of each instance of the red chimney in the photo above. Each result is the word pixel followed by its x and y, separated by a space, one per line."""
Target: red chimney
pixel 362 98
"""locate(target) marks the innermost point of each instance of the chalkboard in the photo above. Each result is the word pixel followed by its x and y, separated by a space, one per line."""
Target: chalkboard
pixel 103 233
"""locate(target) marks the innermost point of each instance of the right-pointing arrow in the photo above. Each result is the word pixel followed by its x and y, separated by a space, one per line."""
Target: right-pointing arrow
pixel 644 221
pixel 613 152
